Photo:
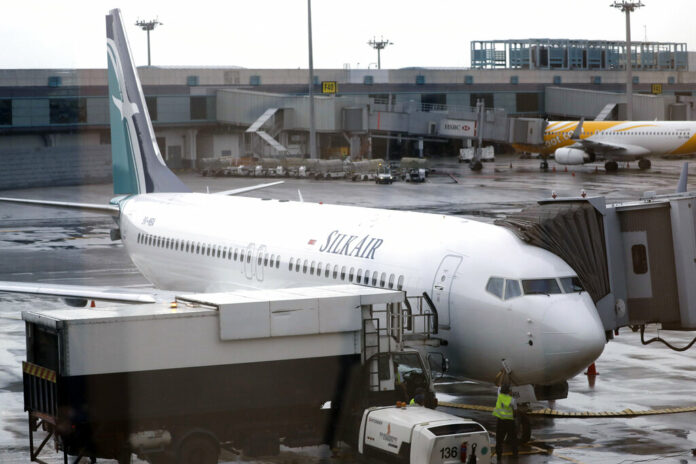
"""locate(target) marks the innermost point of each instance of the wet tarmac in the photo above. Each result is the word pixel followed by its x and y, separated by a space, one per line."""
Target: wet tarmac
pixel 62 246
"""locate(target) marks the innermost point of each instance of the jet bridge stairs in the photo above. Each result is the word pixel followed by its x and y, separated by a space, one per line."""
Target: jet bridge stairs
pixel 411 325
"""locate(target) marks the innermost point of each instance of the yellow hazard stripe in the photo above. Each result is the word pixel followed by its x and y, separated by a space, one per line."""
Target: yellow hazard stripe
pixel 38 371
pixel 578 414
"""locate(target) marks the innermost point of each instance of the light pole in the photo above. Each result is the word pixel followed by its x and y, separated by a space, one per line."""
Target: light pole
pixel 312 129
pixel 379 45
pixel 628 7
pixel 148 26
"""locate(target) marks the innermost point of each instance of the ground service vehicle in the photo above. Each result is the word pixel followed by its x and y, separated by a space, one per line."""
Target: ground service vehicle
pixel 384 175
pixel 175 382
pixel 422 435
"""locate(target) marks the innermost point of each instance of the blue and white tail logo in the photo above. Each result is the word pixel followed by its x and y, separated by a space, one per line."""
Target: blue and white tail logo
pixel 138 166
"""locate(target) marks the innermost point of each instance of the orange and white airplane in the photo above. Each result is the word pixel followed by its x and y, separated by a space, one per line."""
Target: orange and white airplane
pixel 579 142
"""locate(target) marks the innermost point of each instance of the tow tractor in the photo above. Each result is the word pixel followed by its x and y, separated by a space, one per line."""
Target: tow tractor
pixel 244 371
pixel 384 175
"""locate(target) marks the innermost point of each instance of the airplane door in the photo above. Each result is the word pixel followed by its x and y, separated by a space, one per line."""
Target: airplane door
pixel 442 285
pixel 250 261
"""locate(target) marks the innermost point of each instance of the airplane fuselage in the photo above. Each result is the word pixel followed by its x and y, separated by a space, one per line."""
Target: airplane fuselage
pixel 210 243
pixel 639 138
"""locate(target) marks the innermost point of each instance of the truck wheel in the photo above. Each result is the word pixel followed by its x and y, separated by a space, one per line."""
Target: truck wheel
pixel 198 450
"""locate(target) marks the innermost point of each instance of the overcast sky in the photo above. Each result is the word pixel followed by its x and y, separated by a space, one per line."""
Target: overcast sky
pixel 273 33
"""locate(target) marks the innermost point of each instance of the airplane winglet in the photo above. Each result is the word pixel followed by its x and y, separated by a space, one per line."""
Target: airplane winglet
pixel 683 177
pixel 578 130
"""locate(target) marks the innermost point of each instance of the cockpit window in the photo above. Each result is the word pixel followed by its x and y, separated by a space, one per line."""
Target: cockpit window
pixel 495 286
pixel 571 284
pixel 512 289
pixel 540 287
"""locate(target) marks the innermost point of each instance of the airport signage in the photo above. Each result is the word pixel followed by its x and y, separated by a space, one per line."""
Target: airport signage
pixel 329 87
pixel 457 128
pixel 656 89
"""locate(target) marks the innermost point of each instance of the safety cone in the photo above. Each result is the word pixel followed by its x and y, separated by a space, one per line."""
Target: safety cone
pixel 573 174
pixel 592 370
pixel 93 305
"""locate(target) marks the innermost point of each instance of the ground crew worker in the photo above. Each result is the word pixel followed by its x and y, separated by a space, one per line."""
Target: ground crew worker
pixel 505 429
pixel 418 397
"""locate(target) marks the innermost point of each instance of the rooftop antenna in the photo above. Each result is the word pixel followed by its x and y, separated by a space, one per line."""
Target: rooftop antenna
pixel 628 7
pixel 379 45
pixel 148 26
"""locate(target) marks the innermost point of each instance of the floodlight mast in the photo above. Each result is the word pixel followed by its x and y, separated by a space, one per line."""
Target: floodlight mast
pixel 628 7
pixel 379 45
pixel 148 26
pixel 312 118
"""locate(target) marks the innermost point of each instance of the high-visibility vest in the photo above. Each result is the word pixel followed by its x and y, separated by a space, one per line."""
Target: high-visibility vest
pixel 503 407
pixel 412 402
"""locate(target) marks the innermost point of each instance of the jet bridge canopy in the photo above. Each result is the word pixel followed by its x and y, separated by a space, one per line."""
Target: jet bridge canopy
pixel 575 232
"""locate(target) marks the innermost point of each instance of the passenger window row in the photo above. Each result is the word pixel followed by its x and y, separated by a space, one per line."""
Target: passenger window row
pixel 353 275
pixel 319 269
pixel 206 249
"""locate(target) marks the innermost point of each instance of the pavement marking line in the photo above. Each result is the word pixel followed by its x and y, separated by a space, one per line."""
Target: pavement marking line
pixel 555 440
pixel 567 458
pixel 583 414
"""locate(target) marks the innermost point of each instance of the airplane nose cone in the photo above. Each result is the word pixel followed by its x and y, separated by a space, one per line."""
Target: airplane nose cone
pixel 573 338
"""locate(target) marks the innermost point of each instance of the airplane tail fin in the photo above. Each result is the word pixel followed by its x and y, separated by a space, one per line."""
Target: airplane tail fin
pixel 138 166
pixel 578 130
pixel 683 178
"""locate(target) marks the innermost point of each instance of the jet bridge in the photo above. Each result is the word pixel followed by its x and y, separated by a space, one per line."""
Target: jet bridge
pixel 637 259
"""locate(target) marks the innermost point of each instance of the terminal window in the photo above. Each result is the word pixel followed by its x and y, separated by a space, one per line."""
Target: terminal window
pixel 639 257
pixel 67 110
pixel 527 103
pixel 151 103
pixel 486 97
pixel 5 112
pixel 199 108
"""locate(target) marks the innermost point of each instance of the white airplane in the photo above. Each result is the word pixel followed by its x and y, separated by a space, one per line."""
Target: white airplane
pixel 579 142
pixel 497 297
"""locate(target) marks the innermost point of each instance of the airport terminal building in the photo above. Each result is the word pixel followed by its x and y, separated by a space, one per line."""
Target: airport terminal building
pixel 59 118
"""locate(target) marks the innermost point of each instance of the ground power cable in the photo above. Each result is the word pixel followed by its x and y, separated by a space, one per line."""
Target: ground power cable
pixel 658 339
pixel 547 412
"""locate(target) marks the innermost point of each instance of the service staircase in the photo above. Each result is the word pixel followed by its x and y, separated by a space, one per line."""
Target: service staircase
pixel 256 128
pixel 606 111
pixel 415 323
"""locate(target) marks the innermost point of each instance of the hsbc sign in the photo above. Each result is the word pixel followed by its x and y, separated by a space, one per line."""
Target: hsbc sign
pixel 457 128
